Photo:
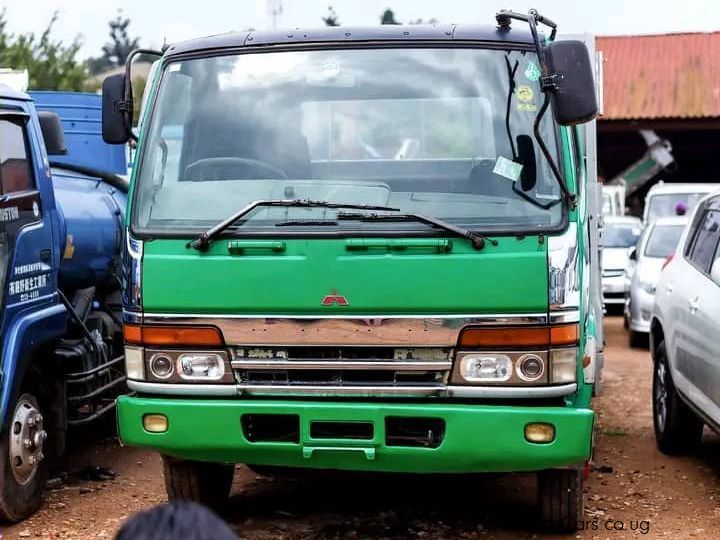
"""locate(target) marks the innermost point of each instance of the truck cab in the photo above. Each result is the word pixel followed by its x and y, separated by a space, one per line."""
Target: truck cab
pixel 361 249
pixel 60 319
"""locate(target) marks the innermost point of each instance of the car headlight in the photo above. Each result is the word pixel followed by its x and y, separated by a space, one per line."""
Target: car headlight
pixel 201 366
pixel 482 367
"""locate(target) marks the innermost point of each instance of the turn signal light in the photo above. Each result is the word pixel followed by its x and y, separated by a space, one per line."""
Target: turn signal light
pixel 196 336
pixel 542 336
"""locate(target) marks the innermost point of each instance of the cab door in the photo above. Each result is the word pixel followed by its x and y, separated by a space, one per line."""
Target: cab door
pixel 26 255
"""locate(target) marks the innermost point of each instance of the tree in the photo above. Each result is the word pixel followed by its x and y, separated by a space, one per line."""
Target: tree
pixel 331 19
pixel 115 51
pixel 52 65
pixel 388 17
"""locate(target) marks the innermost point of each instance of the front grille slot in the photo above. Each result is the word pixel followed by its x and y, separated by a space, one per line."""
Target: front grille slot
pixel 339 377
pixel 271 427
pixel 342 430
pixel 414 431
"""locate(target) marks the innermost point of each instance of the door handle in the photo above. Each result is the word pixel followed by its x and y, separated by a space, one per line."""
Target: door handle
pixel 693 305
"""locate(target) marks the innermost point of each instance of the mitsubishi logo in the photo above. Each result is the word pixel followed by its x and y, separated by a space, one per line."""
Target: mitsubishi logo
pixel 334 298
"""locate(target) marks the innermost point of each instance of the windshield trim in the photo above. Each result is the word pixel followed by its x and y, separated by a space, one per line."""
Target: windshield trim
pixel 149 233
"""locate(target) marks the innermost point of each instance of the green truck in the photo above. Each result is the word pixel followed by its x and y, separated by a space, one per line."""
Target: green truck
pixel 364 249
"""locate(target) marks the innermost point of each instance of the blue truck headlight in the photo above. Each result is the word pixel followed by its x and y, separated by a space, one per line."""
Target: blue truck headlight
pixel 201 366
pixel 485 367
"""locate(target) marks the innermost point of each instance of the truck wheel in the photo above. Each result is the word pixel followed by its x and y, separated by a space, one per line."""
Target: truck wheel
pixel 560 498
pixel 677 429
pixel 24 469
pixel 197 481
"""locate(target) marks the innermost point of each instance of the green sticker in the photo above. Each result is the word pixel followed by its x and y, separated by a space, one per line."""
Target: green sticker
pixel 532 72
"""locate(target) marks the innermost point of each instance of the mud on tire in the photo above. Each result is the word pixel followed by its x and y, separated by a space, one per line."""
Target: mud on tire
pixel 197 481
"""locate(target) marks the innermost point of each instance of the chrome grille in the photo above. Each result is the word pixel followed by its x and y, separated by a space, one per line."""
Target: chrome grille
pixel 335 366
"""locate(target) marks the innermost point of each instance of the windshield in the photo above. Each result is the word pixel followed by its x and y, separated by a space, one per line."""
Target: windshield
pixel 620 235
pixel 663 240
pixel 421 130
pixel 672 204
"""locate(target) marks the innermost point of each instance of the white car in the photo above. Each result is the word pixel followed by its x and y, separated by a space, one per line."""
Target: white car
pixel 656 244
pixel 663 199
pixel 619 237
pixel 685 335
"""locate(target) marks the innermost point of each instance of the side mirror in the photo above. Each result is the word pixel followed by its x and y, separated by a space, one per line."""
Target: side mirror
pixel 573 98
pixel 715 271
pixel 52 132
pixel 115 121
pixel 632 254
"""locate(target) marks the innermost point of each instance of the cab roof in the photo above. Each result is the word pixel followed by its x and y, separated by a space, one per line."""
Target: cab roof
pixel 518 36
pixel 682 187
pixel 8 93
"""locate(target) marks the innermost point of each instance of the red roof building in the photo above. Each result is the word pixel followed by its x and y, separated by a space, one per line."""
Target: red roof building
pixel 669 83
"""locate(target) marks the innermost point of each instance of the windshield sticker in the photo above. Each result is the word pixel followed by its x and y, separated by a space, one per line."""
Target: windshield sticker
pixel 525 95
pixel 508 169
pixel 532 72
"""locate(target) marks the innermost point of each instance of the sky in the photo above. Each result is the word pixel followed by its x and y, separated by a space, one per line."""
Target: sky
pixel 157 21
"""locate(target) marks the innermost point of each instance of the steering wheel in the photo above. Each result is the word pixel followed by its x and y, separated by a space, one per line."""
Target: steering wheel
pixel 193 170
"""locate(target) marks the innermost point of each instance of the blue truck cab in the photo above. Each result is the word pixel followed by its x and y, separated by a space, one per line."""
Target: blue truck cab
pixel 60 239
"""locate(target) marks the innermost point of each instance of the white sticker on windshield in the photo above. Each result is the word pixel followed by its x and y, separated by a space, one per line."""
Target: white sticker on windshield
pixel 508 168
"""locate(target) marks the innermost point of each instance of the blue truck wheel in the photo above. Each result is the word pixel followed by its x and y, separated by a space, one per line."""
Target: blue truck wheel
pixel 24 468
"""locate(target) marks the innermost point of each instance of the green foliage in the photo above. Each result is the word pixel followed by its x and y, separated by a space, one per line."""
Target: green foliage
pixel 388 17
pixel 115 51
pixel 52 64
pixel 331 19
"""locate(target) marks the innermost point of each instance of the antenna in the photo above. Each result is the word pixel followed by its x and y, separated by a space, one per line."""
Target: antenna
pixel 274 9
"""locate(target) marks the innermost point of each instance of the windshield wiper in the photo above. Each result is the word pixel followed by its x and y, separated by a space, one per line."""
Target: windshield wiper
pixel 202 242
pixel 478 240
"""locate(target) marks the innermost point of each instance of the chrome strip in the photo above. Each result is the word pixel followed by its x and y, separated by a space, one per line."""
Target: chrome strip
pixel 572 316
pixel 132 272
pixel 281 363
pixel 216 390
pixel 211 390
pixel 344 331
pixel 488 318
pixel 512 391
pixel 132 317
pixel 564 270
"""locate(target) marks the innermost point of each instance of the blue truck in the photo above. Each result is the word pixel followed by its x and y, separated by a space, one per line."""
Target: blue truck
pixel 62 206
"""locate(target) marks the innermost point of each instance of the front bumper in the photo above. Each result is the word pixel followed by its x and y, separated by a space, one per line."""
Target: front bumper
pixel 613 290
pixel 640 309
pixel 478 438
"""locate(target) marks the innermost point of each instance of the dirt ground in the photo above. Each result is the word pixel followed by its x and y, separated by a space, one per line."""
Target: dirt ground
pixel 633 492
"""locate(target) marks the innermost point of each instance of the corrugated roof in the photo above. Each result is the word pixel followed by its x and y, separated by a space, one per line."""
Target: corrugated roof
pixel 661 76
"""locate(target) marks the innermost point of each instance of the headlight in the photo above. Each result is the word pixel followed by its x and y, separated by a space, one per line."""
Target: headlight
pixel 485 367
pixel 201 367
pixel 563 365
pixel 530 367
pixel 161 366
pixel 135 363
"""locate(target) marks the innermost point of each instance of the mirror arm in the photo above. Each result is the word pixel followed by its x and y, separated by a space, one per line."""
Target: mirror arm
pixel 126 105
pixel 547 85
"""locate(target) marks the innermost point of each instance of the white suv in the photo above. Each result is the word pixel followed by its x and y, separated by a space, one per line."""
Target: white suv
pixel 685 335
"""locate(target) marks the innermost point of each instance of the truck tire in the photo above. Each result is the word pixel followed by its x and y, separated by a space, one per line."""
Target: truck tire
pixel 23 467
pixel 678 430
pixel 560 498
pixel 197 481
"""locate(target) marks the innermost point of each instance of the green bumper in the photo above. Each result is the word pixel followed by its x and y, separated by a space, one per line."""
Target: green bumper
pixel 478 438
